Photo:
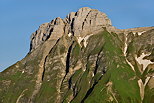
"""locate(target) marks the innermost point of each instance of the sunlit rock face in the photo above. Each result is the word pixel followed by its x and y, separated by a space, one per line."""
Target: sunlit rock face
pixel 81 23
pixel 83 59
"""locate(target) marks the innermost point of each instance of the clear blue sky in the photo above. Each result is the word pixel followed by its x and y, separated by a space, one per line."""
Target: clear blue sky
pixel 19 18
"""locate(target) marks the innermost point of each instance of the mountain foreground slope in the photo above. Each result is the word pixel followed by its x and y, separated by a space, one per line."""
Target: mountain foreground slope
pixel 83 59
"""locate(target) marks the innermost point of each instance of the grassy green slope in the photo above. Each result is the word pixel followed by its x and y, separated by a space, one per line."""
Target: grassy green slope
pixel 118 85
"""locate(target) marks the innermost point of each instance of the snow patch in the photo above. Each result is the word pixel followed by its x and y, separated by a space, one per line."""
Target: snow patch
pixel 80 39
pixel 142 61
pixel 130 64
pixel 140 83
pixel 134 33
pixel 23 71
pixel 70 34
pixel 93 75
pixel 125 50
pixel 140 33
pixel 17 66
pixel 146 81
pixel 85 39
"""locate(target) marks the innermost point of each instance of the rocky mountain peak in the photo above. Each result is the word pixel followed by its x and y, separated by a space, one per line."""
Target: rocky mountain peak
pixel 81 23
pixel 70 61
pixel 86 21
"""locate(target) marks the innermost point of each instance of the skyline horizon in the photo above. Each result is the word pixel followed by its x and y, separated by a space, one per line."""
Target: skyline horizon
pixel 21 19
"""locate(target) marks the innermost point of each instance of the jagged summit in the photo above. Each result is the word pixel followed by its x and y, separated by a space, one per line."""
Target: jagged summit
pixel 84 22
pixel 81 23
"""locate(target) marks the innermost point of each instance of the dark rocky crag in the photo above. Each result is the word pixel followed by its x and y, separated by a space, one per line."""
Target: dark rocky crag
pixel 83 59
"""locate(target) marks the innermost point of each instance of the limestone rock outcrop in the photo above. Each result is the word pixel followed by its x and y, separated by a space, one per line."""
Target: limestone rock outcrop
pixel 81 23
pixel 54 28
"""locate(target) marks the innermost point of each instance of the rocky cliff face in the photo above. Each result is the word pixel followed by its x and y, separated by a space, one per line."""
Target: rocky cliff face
pixel 81 23
pixel 83 58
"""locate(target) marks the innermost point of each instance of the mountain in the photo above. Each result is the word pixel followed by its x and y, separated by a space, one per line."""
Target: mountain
pixel 83 59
